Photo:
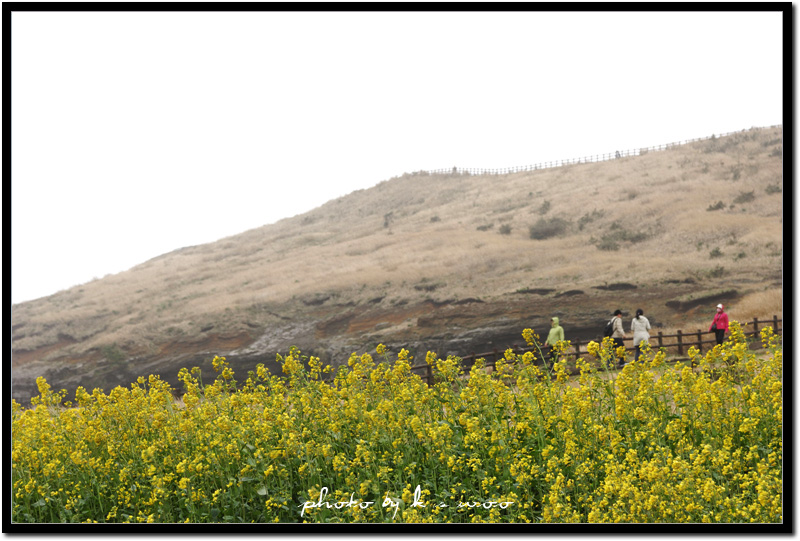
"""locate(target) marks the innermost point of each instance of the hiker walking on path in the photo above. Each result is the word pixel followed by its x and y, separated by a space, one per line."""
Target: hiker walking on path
pixel 556 333
pixel 720 324
pixel 639 327
pixel 618 334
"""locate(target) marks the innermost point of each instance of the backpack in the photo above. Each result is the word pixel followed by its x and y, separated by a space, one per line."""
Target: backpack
pixel 609 328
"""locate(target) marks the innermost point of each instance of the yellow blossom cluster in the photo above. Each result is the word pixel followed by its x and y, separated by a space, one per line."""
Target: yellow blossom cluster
pixel 656 442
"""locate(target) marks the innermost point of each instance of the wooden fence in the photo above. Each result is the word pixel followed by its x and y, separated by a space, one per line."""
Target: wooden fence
pixel 585 159
pixel 678 343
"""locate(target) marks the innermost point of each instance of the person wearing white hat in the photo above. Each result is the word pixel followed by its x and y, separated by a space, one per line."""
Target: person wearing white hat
pixel 720 324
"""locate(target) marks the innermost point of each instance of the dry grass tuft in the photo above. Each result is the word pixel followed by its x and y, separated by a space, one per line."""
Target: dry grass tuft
pixel 762 305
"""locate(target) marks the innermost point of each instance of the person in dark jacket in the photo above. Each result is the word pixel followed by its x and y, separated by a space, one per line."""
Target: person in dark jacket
pixel 719 326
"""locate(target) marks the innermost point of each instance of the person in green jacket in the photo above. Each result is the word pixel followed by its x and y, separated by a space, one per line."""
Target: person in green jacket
pixel 556 333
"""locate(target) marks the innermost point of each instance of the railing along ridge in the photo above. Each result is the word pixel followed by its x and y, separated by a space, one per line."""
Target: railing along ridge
pixel 684 340
pixel 585 159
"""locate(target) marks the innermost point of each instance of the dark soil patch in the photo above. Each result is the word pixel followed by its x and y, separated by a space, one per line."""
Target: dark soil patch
pixel 570 293
pixel 684 281
pixel 621 286
pixel 427 287
pixel 535 291
pixel 709 300
pixel 316 301
pixel 468 301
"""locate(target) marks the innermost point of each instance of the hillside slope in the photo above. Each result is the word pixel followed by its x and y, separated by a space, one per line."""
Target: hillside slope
pixel 449 263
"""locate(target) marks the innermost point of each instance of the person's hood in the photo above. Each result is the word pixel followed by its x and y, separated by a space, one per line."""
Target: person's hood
pixel 555 321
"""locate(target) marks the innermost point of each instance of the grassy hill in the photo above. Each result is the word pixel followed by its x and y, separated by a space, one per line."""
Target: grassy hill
pixel 450 263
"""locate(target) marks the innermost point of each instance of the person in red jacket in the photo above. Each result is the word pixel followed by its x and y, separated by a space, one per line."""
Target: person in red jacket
pixel 720 324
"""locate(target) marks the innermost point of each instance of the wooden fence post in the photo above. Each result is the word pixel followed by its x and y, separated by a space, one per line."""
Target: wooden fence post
pixel 680 342
pixel 700 340
pixel 775 324
pixel 755 327
pixel 429 375
pixel 660 339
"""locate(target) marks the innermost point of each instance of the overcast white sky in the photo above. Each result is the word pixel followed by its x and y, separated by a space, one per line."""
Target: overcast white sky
pixel 134 134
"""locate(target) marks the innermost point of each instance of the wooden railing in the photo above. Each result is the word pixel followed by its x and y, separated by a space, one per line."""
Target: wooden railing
pixel 678 343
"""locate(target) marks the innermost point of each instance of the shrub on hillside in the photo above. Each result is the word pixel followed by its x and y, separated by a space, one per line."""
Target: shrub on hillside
pixel 607 244
pixel 590 217
pixel 113 353
pixel 617 234
pixel 544 208
pixel 745 197
pixel 547 228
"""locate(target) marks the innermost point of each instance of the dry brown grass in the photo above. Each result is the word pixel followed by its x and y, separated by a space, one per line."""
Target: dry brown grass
pixel 422 230
pixel 761 304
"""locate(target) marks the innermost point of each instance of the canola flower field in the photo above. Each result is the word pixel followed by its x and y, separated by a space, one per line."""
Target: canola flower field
pixel 658 443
